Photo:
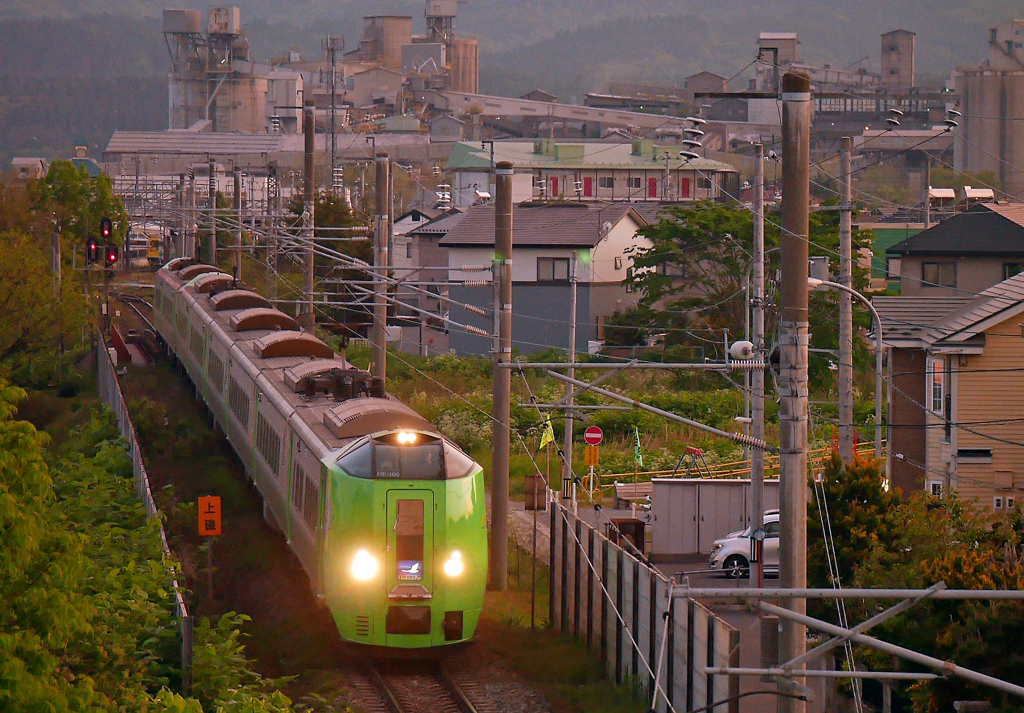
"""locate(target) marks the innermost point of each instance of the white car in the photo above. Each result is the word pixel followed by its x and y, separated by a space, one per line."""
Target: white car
pixel 731 554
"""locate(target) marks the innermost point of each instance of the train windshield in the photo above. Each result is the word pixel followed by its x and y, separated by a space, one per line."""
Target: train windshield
pixel 405 456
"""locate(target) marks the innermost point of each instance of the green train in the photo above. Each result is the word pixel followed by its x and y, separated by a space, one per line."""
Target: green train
pixel 385 514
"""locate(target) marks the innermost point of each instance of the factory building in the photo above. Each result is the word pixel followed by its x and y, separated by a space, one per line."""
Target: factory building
pixel 215 83
pixel 991 135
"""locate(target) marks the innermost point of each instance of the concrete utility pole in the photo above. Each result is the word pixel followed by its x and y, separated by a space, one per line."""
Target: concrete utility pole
pixel 307 320
pixel 211 248
pixel 502 398
pixel 793 334
pixel 382 165
pixel 846 431
pixel 757 376
pixel 181 205
pixel 236 254
pixel 927 192
pixel 190 239
pixel 567 489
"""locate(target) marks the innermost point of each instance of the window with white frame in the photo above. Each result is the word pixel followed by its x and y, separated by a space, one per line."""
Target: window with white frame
pixel 935 488
pixel 936 385
pixel 636 182
pixel 997 502
pixel 552 269
pixel 893 265
pixel 606 182
pixel 618 263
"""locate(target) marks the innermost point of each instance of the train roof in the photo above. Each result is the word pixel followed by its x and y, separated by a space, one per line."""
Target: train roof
pixel 288 359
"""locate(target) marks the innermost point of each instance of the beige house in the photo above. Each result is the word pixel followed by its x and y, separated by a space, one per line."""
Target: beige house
pixel 957 394
pixel 962 255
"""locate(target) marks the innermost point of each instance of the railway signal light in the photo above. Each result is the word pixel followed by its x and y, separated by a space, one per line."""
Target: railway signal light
pixel 106 228
pixel 92 250
pixel 110 255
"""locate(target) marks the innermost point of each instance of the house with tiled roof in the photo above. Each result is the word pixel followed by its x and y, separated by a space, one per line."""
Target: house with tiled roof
pixel 956 414
pixel 964 254
pixel 551 243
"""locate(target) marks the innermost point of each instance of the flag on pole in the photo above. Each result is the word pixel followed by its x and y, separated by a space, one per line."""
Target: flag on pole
pixel 638 456
pixel 548 436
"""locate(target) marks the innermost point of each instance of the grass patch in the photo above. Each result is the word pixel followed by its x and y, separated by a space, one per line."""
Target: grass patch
pixel 570 678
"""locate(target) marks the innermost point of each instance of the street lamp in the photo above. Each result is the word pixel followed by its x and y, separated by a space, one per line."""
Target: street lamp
pixel 814 284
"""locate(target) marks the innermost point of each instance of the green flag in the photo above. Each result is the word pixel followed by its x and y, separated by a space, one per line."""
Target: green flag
pixel 638 456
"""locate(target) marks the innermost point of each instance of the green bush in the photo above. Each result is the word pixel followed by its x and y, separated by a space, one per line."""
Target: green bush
pixel 87 621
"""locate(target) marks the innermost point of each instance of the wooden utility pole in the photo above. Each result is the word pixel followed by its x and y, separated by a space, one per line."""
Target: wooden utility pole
pixel 307 320
pixel 502 396
pixel 846 431
pixel 793 337
pixel 760 352
pixel 380 263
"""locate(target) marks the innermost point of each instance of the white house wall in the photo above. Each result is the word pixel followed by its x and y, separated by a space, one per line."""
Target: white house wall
pixel 620 238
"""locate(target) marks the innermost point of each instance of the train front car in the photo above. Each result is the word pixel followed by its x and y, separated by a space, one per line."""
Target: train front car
pixel 406 561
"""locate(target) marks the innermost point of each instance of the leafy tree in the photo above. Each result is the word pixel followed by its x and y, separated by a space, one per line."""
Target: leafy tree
pixel 944 540
pixel 45 315
pixel 39 575
pixel 76 202
pixel 691 279
pixel 852 505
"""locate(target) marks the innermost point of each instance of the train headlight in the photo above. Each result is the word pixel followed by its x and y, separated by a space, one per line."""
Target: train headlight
pixel 406 438
pixel 364 566
pixel 453 567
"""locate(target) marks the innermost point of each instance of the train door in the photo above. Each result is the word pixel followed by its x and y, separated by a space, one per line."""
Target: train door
pixel 409 567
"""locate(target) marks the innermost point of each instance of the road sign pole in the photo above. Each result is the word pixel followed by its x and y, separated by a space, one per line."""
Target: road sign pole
pixel 209 569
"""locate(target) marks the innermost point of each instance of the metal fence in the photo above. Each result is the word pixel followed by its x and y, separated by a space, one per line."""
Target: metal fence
pixel 111 394
pixel 624 610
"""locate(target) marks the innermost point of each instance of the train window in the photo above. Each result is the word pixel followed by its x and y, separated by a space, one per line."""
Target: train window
pixel 385 461
pixel 358 462
pixel 457 463
pixel 409 540
pixel 424 462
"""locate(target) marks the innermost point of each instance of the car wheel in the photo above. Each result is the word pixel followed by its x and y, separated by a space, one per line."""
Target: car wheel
pixel 735 567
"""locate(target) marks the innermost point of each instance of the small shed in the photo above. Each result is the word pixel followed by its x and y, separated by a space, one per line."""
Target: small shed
pixel 689 514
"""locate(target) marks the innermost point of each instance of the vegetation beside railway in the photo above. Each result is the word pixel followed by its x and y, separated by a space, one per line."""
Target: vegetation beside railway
pixel 88 604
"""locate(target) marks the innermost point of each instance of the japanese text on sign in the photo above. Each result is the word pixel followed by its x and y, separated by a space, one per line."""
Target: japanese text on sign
pixel 209 516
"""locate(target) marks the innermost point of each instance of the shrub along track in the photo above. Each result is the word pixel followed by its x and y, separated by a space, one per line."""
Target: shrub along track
pixel 254 572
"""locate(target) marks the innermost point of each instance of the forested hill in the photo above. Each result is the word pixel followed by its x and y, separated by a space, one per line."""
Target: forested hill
pixel 71 71
pixel 843 30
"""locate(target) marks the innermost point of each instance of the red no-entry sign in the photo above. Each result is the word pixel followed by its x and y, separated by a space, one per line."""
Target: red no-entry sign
pixel 593 436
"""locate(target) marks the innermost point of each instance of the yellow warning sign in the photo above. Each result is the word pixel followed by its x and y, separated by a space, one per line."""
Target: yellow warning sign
pixel 209 516
pixel 591 455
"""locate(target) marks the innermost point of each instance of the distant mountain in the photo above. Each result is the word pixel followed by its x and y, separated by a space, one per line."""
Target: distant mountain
pixel 839 31
pixel 73 70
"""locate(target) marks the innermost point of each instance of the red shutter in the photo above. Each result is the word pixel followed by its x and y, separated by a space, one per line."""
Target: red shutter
pixel 588 187
pixel 652 187
pixel 554 186
pixel 684 187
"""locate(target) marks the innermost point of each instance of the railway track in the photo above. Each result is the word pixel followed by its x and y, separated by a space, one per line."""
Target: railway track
pixel 403 687
pixel 133 302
